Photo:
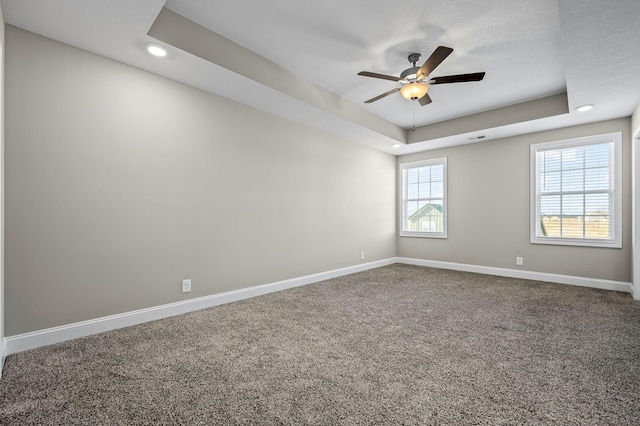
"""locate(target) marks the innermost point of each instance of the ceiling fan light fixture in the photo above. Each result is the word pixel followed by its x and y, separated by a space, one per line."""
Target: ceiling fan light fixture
pixel 413 91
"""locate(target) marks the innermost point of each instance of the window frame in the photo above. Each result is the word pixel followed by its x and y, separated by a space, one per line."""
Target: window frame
pixel 615 177
pixel 403 167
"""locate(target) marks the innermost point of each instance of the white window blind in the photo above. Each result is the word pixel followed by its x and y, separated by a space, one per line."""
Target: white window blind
pixel 424 198
pixel 575 191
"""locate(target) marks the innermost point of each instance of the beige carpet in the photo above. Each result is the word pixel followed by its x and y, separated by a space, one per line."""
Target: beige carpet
pixel 394 345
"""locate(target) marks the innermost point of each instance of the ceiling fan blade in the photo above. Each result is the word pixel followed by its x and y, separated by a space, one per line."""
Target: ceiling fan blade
pixel 424 100
pixel 460 78
pixel 382 76
pixel 439 55
pixel 390 92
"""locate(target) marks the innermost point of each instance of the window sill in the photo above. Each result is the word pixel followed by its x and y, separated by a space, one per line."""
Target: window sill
pixel 576 243
pixel 423 235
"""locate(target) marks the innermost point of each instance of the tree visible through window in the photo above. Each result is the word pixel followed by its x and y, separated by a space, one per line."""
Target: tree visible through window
pixel 424 198
pixel 575 191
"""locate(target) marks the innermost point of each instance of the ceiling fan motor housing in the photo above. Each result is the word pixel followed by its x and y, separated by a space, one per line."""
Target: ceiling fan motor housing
pixel 410 74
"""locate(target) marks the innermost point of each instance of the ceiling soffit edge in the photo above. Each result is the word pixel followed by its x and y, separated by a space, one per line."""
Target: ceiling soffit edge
pixel 519 113
pixel 178 31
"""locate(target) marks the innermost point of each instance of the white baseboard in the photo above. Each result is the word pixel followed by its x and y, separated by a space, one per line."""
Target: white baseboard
pixel 527 275
pixel 49 336
pixel 23 342
pixel 3 353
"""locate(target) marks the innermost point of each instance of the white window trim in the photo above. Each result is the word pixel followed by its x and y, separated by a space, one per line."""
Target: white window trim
pixel 402 192
pixel 616 138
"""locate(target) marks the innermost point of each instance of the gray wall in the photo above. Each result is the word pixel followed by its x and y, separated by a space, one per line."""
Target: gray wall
pixel 119 184
pixel 635 128
pixel 491 228
pixel 635 120
pixel 2 333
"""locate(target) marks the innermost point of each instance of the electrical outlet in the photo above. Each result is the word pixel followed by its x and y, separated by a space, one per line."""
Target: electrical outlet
pixel 361 255
pixel 186 286
pixel 519 261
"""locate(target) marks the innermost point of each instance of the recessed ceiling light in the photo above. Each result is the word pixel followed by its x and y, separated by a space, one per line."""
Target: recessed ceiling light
pixel 584 108
pixel 396 145
pixel 156 50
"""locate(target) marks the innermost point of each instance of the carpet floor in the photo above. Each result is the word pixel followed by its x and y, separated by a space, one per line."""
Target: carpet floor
pixel 395 345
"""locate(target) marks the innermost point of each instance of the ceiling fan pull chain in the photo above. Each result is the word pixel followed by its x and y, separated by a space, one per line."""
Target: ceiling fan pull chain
pixel 414 117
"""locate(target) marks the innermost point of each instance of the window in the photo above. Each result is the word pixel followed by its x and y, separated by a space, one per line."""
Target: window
pixel 424 198
pixel 576 191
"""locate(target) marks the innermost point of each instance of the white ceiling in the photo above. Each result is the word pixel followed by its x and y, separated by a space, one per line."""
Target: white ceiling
pixel 529 50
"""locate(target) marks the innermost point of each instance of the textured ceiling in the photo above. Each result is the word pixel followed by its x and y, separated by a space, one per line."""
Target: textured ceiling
pixel 529 50
pixel 515 42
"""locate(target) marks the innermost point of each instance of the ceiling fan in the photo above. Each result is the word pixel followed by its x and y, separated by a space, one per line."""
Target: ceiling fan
pixel 415 81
